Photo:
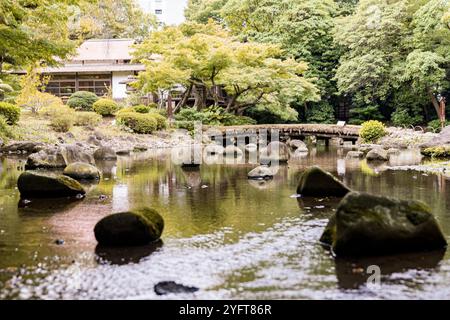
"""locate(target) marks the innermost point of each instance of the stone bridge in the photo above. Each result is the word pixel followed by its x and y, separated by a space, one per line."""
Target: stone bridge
pixel 324 132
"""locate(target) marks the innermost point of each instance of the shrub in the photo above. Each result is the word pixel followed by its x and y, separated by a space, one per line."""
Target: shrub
pixel 55 109
pixel 10 112
pixel 161 121
pixel 105 107
pixel 5 130
pixel 62 122
pixel 138 122
pixel 87 118
pixel 437 152
pixel 401 117
pixel 372 130
pixel 142 109
pixel 82 100
pixel 435 125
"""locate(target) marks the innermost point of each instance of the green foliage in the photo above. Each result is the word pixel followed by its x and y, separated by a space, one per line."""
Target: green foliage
pixel 33 31
pixel 435 125
pixel 372 130
pixel 62 122
pixel 204 56
pixel 403 118
pixel 4 88
pixel 110 19
pixel 142 108
pixel 86 118
pixel 437 152
pixel 105 107
pixel 10 112
pixel 138 122
pixel 210 116
pixel 5 130
pixel 55 109
pixel 82 100
pixel 321 112
pixel 160 120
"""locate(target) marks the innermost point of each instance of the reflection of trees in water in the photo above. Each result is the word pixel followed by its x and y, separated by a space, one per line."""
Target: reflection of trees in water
pixel 353 273
pixel 10 169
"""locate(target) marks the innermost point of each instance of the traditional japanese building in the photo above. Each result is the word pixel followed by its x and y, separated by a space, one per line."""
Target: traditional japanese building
pixel 99 66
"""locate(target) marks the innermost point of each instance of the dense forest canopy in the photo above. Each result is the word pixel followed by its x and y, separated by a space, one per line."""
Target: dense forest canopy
pixel 386 60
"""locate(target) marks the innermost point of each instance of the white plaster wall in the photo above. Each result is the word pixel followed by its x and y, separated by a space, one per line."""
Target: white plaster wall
pixel 119 90
pixel 172 10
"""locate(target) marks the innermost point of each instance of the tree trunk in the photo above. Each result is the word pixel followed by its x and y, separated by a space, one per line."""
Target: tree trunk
pixel 434 101
pixel 182 103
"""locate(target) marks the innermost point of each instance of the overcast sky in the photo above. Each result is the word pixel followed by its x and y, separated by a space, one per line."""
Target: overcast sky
pixel 172 11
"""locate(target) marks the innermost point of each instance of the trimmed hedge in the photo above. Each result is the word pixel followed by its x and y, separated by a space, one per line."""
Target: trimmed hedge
pixel 10 112
pixel 5 130
pixel 87 118
pixel 138 122
pixel 105 107
pixel 160 120
pixel 372 130
pixel 82 100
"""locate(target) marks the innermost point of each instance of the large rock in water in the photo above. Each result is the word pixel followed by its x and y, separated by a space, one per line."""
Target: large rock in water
pixel 22 147
pixel 316 182
pixel 105 153
pixel 377 154
pixel 275 151
pixel 366 224
pixel 82 171
pixel 58 157
pixel 298 145
pixel 261 172
pixel 39 185
pixel 132 228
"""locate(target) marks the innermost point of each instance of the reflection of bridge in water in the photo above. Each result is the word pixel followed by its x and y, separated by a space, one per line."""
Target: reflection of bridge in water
pixel 292 131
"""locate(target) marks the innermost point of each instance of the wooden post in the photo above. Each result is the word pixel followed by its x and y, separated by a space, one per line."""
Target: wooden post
pixel 442 111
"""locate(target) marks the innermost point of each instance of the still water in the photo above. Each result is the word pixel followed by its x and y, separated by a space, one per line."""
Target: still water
pixel 231 237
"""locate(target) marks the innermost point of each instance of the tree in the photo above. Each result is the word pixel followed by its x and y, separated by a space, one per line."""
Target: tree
pixel 394 49
pixel 203 58
pixel 110 19
pixel 32 31
pixel 302 28
pixel 4 88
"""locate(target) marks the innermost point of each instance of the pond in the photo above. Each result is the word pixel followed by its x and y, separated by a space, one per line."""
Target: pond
pixel 231 237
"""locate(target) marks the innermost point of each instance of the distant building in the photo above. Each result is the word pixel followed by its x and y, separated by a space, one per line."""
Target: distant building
pixel 168 12
pixel 98 66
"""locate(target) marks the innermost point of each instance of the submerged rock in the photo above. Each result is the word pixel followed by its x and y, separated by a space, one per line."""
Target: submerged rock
pixel 355 155
pixel 82 171
pixel 297 144
pixel 316 182
pixel 166 287
pixel 22 147
pixel 377 154
pixel 261 172
pixel 105 153
pixel 39 185
pixel 366 224
pixel 132 228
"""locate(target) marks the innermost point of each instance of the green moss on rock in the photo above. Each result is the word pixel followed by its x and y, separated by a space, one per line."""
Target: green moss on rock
pixel 316 182
pixel 40 185
pixel 366 224
pixel 82 171
pixel 136 227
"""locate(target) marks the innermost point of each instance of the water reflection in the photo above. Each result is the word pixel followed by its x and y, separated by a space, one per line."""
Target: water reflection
pixel 232 236
pixel 354 273
pixel 125 255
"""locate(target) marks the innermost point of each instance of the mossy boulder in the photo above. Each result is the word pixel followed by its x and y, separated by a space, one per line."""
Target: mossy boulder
pixel 275 152
pixel 39 185
pixel 377 154
pixel 316 182
pixel 105 153
pixel 366 225
pixel 132 228
pixel 261 172
pixel 82 171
